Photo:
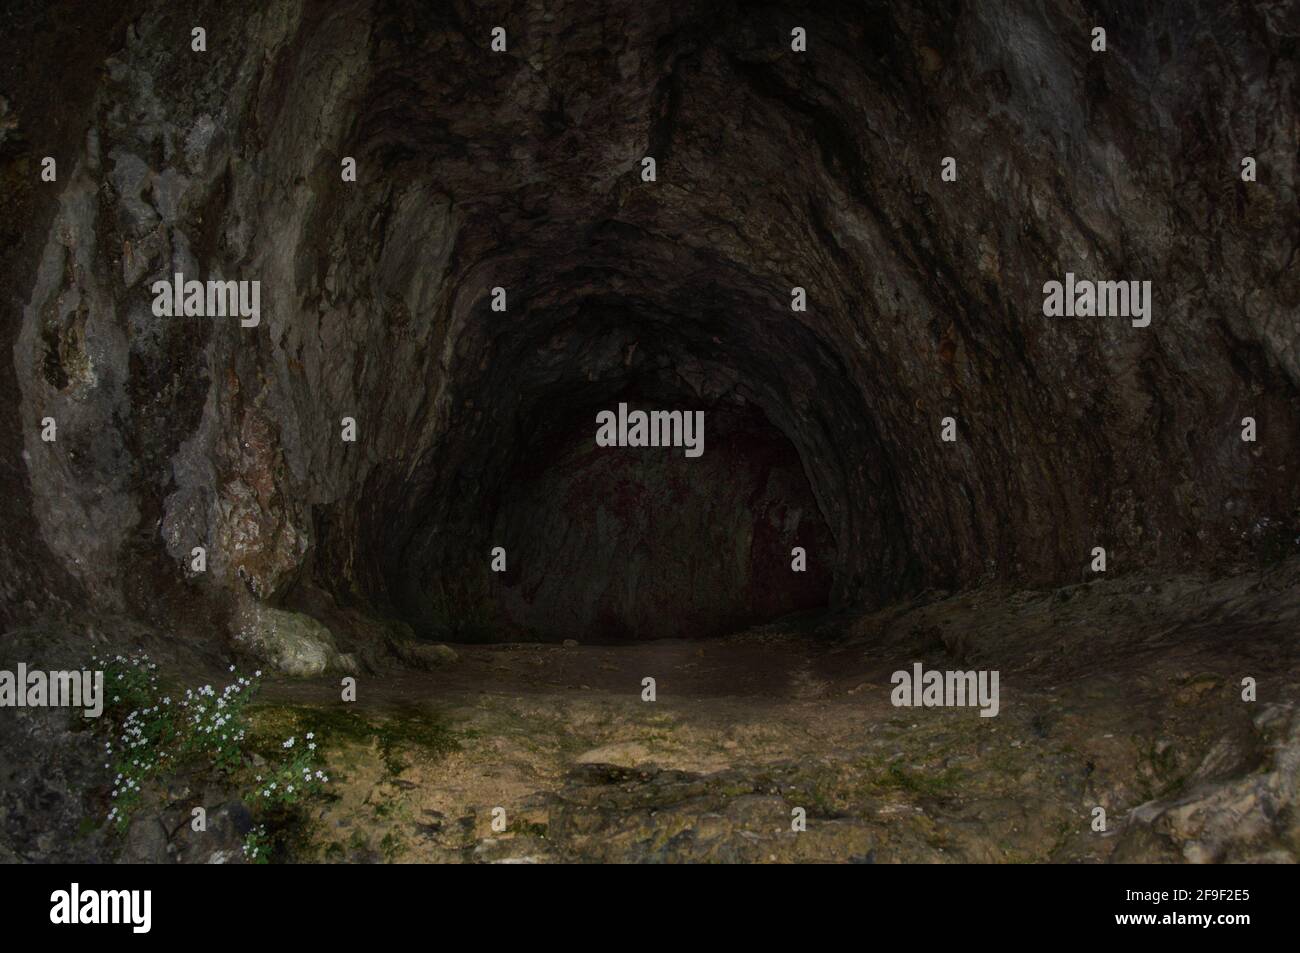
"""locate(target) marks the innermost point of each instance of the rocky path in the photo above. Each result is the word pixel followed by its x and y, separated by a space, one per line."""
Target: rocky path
pixel 1124 696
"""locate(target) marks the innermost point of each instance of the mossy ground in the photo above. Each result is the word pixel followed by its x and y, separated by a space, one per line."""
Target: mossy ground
pixel 546 752
pixel 349 739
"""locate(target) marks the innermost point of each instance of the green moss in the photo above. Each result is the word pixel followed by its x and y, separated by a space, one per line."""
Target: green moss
pixel 358 842
pixel 530 828
pixel 396 731
pixel 925 785
pixel 391 846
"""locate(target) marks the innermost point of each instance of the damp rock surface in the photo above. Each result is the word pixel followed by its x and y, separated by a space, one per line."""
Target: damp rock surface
pixel 522 171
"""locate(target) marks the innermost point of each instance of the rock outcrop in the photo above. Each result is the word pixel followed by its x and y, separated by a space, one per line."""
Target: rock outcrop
pixel 523 170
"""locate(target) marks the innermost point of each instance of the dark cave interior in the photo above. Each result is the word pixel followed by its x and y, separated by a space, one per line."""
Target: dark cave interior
pixel 600 543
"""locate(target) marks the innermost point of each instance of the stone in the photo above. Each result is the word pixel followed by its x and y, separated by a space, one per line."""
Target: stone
pixel 626 754
pixel 425 655
pixel 289 642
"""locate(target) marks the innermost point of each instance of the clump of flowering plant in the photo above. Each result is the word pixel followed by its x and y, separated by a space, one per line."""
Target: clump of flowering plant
pixel 151 732
pixel 257 845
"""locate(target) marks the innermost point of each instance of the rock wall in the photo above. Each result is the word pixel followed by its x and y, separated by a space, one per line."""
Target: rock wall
pixel 523 170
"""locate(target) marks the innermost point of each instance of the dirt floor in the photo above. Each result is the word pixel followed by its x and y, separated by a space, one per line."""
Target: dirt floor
pixel 1122 695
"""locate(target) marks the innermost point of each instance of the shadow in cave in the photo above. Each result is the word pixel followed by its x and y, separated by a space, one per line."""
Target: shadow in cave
pixel 618 544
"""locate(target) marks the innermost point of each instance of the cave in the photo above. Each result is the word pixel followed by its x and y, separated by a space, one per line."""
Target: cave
pixel 611 416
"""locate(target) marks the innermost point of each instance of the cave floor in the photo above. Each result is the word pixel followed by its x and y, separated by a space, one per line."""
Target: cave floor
pixel 1124 695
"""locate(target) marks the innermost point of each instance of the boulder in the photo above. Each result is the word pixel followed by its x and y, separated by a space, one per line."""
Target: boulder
pixel 424 655
pixel 289 642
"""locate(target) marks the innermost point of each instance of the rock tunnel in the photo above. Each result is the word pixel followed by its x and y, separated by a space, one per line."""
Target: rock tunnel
pixel 464 257
pixel 524 172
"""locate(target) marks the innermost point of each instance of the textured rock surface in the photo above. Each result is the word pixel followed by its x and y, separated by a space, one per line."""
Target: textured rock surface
pixel 54 786
pixel 522 171
pixel 290 642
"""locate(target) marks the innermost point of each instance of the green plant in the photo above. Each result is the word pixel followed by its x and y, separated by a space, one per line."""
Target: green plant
pixel 257 845
pixel 150 736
